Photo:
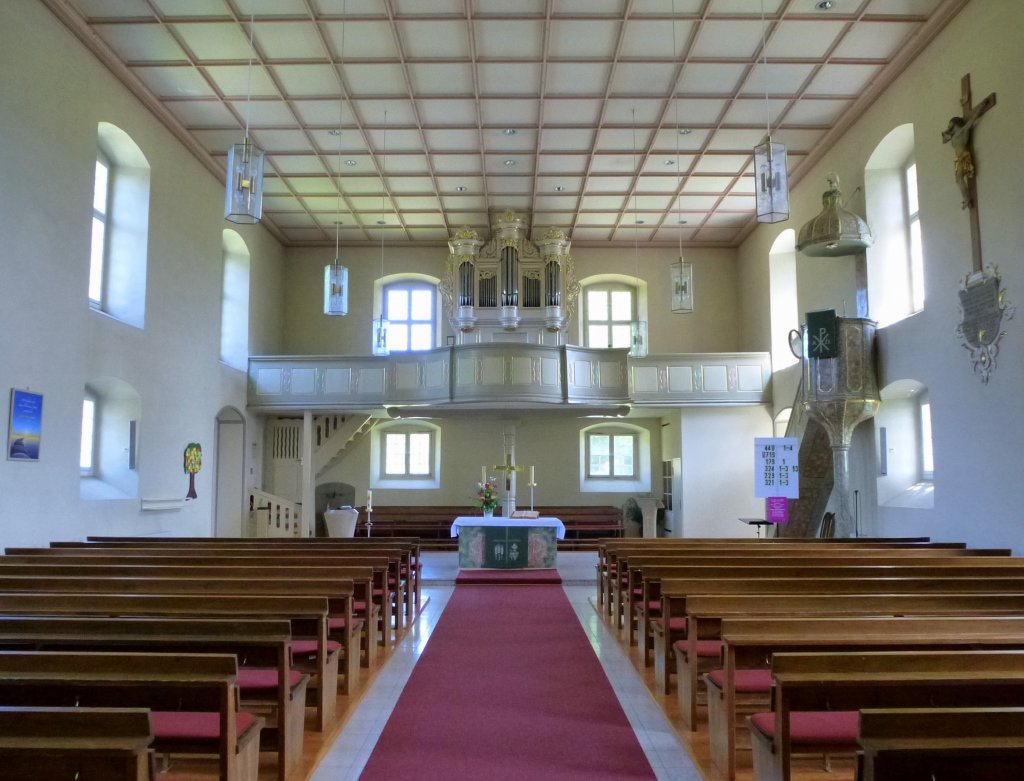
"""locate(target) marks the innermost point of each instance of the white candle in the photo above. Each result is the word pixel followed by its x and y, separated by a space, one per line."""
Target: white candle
pixel 483 474
pixel 532 481
pixel 369 499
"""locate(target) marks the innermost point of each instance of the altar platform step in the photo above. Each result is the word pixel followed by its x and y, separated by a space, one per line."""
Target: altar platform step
pixel 508 577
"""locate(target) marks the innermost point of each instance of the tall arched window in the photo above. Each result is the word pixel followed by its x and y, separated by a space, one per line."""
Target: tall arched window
pixel 234 311
pixel 410 307
pixel 785 315
pixel 608 310
pixel 904 430
pixel 111 413
pixel 120 227
pixel 896 260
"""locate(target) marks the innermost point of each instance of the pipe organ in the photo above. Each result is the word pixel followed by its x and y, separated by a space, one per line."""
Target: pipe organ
pixel 509 288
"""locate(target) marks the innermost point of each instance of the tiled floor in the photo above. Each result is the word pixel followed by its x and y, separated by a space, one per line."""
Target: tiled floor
pixel 346 758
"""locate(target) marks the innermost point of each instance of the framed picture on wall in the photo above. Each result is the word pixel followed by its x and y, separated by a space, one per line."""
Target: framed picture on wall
pixel 24 426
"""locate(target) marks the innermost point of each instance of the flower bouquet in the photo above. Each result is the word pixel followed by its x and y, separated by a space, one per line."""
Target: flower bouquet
pixel 487 496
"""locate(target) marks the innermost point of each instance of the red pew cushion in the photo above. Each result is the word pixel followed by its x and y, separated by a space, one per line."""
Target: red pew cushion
pixel 193 725
pixel 813 727
pixel 258 678
pixel 746 680
pixel 303 647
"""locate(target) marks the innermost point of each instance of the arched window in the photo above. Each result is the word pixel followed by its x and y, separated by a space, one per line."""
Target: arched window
pixel 87 457
pixel 234 311
pixel 896 260
pixel 111 411
pixel 609 308
pixel 405 455
pixel 782 300
pixel 410 307
pixel 615 457
pixel 905 455
pixel 120 227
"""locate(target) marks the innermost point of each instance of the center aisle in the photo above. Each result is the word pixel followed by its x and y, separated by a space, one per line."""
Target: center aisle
pixel 508 688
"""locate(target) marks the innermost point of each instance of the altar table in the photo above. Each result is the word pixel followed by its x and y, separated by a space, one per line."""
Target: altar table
pixel 507 543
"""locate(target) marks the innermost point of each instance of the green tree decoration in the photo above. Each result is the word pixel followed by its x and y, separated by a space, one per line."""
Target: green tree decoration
pixel 193 463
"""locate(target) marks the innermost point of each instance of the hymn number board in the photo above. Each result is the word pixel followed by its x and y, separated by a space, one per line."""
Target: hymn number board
pixel 776 467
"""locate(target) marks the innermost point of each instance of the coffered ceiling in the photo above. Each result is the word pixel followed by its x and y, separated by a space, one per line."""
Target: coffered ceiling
pixel 615 120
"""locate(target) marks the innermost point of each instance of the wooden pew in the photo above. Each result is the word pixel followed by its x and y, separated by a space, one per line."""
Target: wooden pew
pixel 88 744
pixel 675 593
pixel 748 644
pixel 82 596
pixel 607 548
pixel 388 564
pixel 616 603
pixel 203 686
pixel 264 645
pixel 647 607
pixel 845 682
pixel 941 744
pixel 365 576
pixel 412 563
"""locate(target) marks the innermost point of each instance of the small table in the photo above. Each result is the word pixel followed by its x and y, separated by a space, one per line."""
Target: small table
pixel 507 543
pixel 757 523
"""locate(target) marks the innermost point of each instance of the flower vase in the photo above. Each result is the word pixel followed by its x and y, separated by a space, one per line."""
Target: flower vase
pixel 488 512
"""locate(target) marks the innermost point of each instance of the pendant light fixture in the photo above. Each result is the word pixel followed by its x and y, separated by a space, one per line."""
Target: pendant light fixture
pixel 335 274
pixel 680 272
pixel 243 195
pixel 380 324
pixel 770 174
pixel 637 327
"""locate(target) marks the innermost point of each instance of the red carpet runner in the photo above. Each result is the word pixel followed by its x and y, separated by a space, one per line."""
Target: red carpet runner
pixel 508 688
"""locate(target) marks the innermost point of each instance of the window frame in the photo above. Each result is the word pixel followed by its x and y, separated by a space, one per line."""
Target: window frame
pixel 608 288
pixel 409 286
pixel 912 219
pixel 924 438
pixel 89 471
pixel 406 433
pixel 100 265
pixel 612 435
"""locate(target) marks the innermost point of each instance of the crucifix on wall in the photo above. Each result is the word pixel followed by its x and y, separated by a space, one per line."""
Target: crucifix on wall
pixel 958 133
pixel 983 302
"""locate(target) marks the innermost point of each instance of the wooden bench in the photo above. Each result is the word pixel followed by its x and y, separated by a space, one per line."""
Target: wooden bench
pixel 618 578
pixel 808 684
pixel 432 524
pixel 749 643
pixel 647 606
pixel 366 577
pixel 193 698
pixel 411 568
pixel 264 646
pixel 312 653
pixel 364 609
pixel 88 744
pixel 388 586
pixel 666 628
pixel 928 744
pixel 607 548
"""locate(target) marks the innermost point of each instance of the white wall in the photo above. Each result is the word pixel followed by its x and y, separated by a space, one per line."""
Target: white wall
pixel 978 490
pixel 548 441
pixel 53 344
pixel 717 448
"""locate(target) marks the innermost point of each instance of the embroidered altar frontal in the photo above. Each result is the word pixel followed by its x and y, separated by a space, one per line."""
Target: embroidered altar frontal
pixel 506 544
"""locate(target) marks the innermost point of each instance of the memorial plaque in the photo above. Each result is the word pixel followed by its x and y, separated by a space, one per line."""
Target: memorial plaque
pixel 983 308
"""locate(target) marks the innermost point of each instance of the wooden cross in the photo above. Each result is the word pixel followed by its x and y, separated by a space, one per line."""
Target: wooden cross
pixel 508 469
pixel 958 132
